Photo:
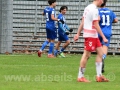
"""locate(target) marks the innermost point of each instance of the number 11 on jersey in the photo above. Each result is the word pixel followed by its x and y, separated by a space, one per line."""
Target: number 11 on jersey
pixel 106 20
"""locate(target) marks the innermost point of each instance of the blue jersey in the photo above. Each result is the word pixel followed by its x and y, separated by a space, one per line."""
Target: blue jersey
pixel 107 17
pixel 48 11
pixel 62 27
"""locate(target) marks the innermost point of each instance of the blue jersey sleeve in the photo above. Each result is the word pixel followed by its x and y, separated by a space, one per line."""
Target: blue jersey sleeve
pixel 52 11
pixel 113 14
pixel 67 27
pixel 61 27
pixel 60 17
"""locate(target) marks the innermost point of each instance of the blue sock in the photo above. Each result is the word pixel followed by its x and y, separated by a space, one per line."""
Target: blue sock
pixel 44 45
pixel 56 51
pixel 51 47
pixel 62 50
pixel 104 56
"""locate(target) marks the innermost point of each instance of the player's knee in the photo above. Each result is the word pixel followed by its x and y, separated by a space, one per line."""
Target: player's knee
pixel 87 56
pixel 68 42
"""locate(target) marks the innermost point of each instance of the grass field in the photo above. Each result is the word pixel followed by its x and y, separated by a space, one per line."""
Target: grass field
pixel 28 72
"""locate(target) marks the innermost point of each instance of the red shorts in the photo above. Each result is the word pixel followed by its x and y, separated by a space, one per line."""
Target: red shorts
pixel 91 44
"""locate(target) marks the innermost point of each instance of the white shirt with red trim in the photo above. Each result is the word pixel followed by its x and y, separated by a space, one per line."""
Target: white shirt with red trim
pixel 90 15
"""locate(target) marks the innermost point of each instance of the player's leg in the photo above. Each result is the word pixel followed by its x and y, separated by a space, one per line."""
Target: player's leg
pixel 44 44
pixel 99 61
pixel 82 67
pixel 56 51
pixel 52 36
pixel 99 77
pixel 83 62
pixel 51 47
pixel 105 51
pixel 67 42
pixel 57 48
pixel 99 50
pixel 64 47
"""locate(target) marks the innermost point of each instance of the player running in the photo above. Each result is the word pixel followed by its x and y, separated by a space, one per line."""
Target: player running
pixel 107 17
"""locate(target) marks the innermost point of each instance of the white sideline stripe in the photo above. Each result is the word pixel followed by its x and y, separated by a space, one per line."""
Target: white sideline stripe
pixel 16 55
pixel 35 65
pixel 11 55
pixel 44 66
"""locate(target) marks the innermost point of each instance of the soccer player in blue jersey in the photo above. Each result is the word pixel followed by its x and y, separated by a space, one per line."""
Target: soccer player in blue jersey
pixel 63 31
pixel 107 17
pixel 49 13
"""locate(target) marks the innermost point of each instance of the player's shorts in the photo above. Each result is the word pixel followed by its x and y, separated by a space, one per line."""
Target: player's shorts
pixel 91 44
pixel 62 37
pixel 103 43
pixel 51 34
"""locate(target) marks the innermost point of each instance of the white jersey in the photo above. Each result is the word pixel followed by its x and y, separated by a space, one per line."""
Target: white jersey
pixel 90 15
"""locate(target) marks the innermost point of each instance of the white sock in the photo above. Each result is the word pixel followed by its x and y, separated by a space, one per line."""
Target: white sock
pixel 81 72
pixel 98 68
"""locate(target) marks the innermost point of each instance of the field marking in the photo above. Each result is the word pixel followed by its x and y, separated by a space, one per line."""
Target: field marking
pixel 46 66
pixel 11 55
pixel 36 65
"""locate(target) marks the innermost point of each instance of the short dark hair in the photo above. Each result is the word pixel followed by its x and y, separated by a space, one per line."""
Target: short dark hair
pixel 104 3
pixel 51 1
pixel 63 7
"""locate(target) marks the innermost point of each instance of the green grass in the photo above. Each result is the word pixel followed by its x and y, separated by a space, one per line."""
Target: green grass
pixel 28 72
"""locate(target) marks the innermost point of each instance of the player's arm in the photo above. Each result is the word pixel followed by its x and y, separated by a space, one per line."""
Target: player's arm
pixel 61 27
pixel 96 25
pixel 43 14
pixel 53 17
pixel 69 29
pixel 115 20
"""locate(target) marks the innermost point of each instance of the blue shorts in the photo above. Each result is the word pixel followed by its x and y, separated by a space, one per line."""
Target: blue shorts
pixel 102 42
pixel 51 34
pixel 62 37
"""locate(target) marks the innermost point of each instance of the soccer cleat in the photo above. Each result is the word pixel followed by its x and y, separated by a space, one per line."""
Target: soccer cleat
pixel 101 79
pixel 82 79
pixel 39 53
pixel 62 54
pixel 50 56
